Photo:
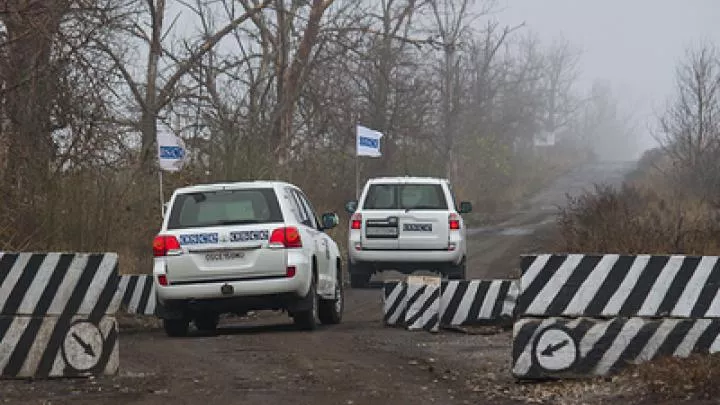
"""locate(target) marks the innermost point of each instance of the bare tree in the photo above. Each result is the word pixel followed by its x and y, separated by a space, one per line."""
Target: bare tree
pixel 153 92
pixel 561 76
pixel 690 129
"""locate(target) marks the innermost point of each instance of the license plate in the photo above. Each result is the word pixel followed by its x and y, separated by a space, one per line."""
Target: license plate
pixel 381 231
pixel 221 256
pixel 417 227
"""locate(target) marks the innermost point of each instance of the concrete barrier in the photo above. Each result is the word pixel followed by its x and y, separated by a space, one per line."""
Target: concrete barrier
pixel 413 303
pixel 137 294
pixel 590 315
pixel 460 302
pixel 478 302
pixel 57 314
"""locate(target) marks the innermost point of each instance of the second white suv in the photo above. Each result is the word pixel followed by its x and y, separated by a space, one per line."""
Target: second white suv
pixel 406 224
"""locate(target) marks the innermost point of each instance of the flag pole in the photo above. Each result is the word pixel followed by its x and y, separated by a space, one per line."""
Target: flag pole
pixel 162 197
pixel 357 177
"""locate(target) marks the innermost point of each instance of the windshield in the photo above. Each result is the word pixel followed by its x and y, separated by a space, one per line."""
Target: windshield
pixel 405 197
pixel 225 207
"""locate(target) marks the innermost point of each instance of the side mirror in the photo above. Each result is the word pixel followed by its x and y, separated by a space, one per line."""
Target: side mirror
pixel 330 220
pixel 465 207
pixel 351 206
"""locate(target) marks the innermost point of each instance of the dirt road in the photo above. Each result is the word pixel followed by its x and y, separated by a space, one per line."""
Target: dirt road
pixel 265 361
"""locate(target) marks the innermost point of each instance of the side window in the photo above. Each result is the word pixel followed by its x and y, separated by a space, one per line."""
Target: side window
pixel 295 206
pixel 453 197
pixel 303 216
pixel 310 213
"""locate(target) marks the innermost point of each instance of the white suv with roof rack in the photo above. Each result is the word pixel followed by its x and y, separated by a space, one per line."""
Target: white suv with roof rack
pixel 237 247
pixel 406 224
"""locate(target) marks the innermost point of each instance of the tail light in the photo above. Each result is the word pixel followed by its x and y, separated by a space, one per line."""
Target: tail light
pixel 290 271
pixel 166 245
pixel 454 222
pixel 356 221
pixel 162 280
pixel 288 237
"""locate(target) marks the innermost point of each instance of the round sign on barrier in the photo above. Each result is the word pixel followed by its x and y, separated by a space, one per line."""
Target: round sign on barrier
pixel 83 346
pixel 555 349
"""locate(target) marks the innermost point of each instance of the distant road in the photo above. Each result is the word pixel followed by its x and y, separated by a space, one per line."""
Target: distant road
pixel 493 251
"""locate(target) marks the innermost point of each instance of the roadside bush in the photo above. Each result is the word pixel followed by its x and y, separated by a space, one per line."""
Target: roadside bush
pixel 635 220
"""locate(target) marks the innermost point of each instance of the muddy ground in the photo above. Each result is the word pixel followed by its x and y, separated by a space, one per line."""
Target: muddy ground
pixel 263 360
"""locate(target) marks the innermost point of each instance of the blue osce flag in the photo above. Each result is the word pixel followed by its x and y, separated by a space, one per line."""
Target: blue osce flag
pixel 172 152
pixel 368 142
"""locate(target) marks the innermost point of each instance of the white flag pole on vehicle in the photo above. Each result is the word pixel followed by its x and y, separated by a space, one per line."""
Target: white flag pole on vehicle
pixel 171 156
pixel 367 143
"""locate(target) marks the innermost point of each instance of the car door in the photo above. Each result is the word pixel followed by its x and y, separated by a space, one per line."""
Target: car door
pixel 323 247
pixel 424 219
pixel 380 216
pixel 224 235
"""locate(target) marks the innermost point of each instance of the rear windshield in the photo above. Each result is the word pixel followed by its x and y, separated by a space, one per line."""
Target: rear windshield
pixel 225 207
pixel 405 196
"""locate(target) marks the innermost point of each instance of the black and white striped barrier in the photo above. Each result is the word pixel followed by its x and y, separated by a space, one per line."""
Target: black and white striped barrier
pixel 460 303
pixel 137 294
pixel 478 302
pixel 590 315
pixel 413 304
pixel 57 314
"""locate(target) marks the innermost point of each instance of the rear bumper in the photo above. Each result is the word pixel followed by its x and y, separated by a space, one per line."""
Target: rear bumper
pixel 189 290
pixel 393 257
pixel 210 290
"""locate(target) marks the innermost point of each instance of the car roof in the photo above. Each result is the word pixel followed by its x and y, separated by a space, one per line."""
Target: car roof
pixel 407 179
pixel 233 186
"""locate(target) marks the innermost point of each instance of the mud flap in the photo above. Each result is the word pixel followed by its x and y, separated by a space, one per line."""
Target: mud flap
pixel 301 304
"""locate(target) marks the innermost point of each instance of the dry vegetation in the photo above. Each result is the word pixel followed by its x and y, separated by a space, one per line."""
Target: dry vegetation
pixel 638 219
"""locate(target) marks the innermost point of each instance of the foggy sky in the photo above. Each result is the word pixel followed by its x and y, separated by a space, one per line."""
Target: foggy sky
pixel 635 44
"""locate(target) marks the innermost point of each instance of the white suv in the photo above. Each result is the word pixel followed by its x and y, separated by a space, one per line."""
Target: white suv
pixel 406 224
pixel 237 247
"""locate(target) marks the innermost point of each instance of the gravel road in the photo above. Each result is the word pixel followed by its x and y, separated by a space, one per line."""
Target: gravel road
pixel 263 360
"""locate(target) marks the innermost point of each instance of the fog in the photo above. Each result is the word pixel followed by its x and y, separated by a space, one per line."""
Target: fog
pixel 635 45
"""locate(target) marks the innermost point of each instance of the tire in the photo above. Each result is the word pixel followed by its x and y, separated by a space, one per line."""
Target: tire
pixel 458 272
pixel 176 327
pixel 308 319
pixel 207 322
pixel 330 311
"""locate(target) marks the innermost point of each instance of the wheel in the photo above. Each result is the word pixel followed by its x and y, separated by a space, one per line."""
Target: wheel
pixel 458 272
pixel 330 311
pixel 207 322
pixel 358 278
pixel 176 327
pixel 308 319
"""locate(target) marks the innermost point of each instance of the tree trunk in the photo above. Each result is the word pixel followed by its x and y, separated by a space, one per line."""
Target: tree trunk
pixel 31 27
